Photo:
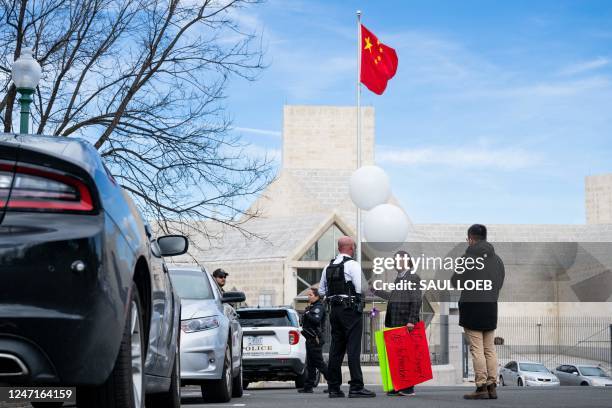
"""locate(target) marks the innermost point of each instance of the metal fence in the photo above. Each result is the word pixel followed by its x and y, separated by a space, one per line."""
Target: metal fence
pixel 553 340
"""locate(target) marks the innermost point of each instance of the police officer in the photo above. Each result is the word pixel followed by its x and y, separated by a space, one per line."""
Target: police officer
pixel 341 284
pixel 312 328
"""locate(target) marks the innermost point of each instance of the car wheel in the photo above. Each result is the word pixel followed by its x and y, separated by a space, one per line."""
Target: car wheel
pixel 519 382
pixel 501 381
pixel 124 387
pixel 237 385
pixel 584 384
pixel 171 398
pixel 220 390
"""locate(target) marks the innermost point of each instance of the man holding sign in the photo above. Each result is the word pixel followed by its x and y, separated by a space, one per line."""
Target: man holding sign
pixel 403 307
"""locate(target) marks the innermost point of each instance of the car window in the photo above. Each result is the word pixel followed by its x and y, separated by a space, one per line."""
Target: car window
pixel 509 365
pixel 294 318
pixel 533 367
pixel 263 318
pixel 191 284
pixel 592 372
pixel 572 369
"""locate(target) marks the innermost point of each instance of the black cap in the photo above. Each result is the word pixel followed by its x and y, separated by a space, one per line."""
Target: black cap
pixel 220 273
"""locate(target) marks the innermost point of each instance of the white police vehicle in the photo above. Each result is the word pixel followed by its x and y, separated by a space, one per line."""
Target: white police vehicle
pixel 273 347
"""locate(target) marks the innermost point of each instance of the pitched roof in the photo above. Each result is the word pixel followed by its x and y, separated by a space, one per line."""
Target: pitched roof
pixel 277 237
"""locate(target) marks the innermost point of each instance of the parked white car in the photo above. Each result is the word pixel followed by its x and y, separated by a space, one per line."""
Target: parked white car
pixel 570 374
pixel 211 337
pixel 527 374
pixel 273 348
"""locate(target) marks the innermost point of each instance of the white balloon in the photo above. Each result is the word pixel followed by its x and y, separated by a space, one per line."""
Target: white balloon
pixel 386 223
pixel 369 186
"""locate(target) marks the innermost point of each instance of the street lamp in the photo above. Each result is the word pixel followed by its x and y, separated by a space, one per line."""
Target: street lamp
pixel 25 75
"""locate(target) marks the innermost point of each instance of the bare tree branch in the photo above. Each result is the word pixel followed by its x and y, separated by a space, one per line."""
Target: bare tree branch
pixel 144 81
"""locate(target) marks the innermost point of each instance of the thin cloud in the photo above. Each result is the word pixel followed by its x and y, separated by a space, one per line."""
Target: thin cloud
pixel 265 132
pixel 477 157
pixel 260 152
pixel 585 66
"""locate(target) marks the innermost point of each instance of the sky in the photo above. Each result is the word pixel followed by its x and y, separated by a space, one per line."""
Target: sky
pixel 496 114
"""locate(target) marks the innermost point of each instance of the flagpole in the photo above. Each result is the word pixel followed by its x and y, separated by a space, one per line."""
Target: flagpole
pixel 358 126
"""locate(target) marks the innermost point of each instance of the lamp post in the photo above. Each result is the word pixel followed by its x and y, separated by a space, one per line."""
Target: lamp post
pixel 25 74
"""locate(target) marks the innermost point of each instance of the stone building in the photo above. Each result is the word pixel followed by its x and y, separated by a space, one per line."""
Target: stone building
pixel 308 207
pixel 598 191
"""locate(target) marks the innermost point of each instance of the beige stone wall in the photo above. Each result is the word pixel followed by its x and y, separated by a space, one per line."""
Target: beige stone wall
pixel 324 137
pixel 598 199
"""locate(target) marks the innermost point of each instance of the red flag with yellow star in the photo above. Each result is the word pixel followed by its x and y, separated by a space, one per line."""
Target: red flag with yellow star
pixel 378 62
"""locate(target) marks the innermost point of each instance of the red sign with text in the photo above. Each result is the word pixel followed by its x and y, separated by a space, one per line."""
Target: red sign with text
pixel 408 355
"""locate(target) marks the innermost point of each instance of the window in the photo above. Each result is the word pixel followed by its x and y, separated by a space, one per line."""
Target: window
pixel 191 284
pixel 533 368
pixel 264 318
pixel 264 299
pixel 325 248
pixel 592 372
pixel 312 276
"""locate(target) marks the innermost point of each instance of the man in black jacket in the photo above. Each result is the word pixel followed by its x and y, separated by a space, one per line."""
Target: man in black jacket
pixel 478 309
pixel 312 328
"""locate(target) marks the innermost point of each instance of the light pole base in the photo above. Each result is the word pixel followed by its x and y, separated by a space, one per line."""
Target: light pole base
pixel 25 100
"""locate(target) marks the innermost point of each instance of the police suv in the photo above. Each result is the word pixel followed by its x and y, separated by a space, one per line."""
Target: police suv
pixel 273 347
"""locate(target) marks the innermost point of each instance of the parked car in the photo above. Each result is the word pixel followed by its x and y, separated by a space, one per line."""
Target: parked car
pixel 528 374
pixel 570 374
pixel 86 300
pixel 273 348
pixel 211 343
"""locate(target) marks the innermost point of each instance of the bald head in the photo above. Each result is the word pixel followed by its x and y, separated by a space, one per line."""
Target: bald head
pixel 346 245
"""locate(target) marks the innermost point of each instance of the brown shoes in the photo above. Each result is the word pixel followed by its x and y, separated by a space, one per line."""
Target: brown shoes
pixel 492 389
pixel 480 393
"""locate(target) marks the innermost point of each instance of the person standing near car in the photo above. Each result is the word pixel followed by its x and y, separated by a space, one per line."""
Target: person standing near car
pixel 478 310
pixel 341 284
pixel 220 277
pixel 312 328
pixel 403 306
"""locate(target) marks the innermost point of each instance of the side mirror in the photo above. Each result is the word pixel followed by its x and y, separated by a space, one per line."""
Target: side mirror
pixel 575 373
pixel 233 297
pixel 173 245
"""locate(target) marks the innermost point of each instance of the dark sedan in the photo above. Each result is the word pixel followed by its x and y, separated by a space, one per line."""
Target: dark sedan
pixel 85 297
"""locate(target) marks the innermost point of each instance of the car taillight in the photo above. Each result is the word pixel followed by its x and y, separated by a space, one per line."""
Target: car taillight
pixel 43 190
pixel 6 179
pixel 294 337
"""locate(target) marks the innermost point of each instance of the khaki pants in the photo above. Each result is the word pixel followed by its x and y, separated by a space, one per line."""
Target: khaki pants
pixel 484 356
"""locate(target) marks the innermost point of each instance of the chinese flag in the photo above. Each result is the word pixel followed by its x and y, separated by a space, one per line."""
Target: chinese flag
pixel 378 62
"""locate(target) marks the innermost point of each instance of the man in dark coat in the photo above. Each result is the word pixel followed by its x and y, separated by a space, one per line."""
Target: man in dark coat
pixel 403 306
pixel 478 309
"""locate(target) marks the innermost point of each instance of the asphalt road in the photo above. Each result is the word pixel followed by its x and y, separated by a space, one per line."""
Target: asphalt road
pixel 427 397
